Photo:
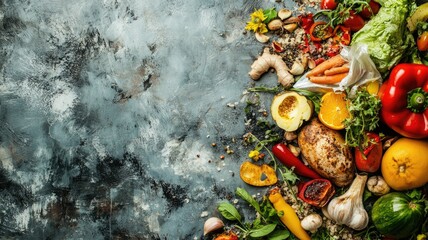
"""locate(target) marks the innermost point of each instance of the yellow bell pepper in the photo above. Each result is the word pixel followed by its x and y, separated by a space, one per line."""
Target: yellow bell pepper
pixel 289 218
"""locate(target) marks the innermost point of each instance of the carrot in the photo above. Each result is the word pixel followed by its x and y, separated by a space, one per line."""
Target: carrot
pixel 337 70
pixel 330 63
pixel 289 217
pixel 332 79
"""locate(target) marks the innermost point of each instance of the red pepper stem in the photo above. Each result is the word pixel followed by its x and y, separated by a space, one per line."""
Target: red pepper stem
pixel 417 100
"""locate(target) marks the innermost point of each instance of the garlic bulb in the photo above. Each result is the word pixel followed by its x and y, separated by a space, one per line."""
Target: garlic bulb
pixel 311 222
pixel 212 224
pixel 377 185
pixel 348 209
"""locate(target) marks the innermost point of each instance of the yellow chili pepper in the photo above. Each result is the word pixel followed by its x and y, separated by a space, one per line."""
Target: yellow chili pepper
pixel 289 218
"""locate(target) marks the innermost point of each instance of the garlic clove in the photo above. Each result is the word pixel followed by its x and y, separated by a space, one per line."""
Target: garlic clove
pixel 261 37
pixel 212 224
pixel 290 27
pixel 297 68
pixel 360 220
pixel 275 24
pixel 311 63
pixel 284 13
pixel 292 20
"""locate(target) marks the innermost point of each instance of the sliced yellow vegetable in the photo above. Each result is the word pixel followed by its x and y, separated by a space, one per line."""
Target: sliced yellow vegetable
pixel 289 218
pixel 257 175
pixel 420 15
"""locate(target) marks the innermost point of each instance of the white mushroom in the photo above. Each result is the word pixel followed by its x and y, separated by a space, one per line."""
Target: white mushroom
pixel 311 222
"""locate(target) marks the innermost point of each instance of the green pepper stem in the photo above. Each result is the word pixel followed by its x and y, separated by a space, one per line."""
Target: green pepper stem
pixel 417 100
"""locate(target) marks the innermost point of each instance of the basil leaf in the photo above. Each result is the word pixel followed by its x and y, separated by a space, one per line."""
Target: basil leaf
pixel 263 231
pixel 242 193
pixel 270 14
pixel 229 211
pixel 279 235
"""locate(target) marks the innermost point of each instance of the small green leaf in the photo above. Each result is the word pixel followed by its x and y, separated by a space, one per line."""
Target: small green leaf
pixel 279 235
pixel 268 211
pixel 262 231
pixel 270 14
pixel 289 175
pixel 242 193
pixel 414 194
pixel 229 211
pixel 367 194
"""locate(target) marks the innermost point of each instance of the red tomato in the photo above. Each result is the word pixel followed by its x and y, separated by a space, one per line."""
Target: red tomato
pixel 371 10
pixel 355 22
pixel 328 4
pixel 369 160
pixel 422 42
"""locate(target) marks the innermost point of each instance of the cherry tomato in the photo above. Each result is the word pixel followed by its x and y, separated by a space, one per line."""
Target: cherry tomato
pixel 422 42
pixel 370 158
pixel 369 11
pixel 342 34
pixel 320 31
pixel 328 4
pixel 355 22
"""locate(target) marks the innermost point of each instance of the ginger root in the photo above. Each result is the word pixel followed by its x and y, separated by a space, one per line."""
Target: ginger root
pixel 267 61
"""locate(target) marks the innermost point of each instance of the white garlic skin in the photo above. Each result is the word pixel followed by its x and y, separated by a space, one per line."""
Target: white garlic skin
pixel 212 224
pixel 348 209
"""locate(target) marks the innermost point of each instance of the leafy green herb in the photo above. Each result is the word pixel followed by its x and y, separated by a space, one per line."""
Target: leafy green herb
pixel 263 89
pixel 262 231
pixel 242 193
pixel 266 225
pixel 289 175
pixel 364 111
pixel 270 14
pixel 279 235
pixel 322 233
pixel 229 211
pixel 313 96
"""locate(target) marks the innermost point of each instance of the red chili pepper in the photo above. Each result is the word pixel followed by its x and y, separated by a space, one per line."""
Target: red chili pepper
pixel 317 192
pixel 286 157
pixel 404 98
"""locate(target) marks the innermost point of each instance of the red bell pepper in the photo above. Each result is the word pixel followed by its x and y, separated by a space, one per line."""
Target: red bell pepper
pixel 404 98
pixel 369 158
pixel 286 157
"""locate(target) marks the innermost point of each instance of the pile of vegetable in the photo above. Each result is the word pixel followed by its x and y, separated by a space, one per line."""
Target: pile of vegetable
pixel 337 164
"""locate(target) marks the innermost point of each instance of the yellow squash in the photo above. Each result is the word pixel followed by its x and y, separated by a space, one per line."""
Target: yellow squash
pixel 289 217
pixel 405 164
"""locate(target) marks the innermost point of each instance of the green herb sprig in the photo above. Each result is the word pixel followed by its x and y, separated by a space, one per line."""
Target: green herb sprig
pixel 266 223
pixel 364 117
